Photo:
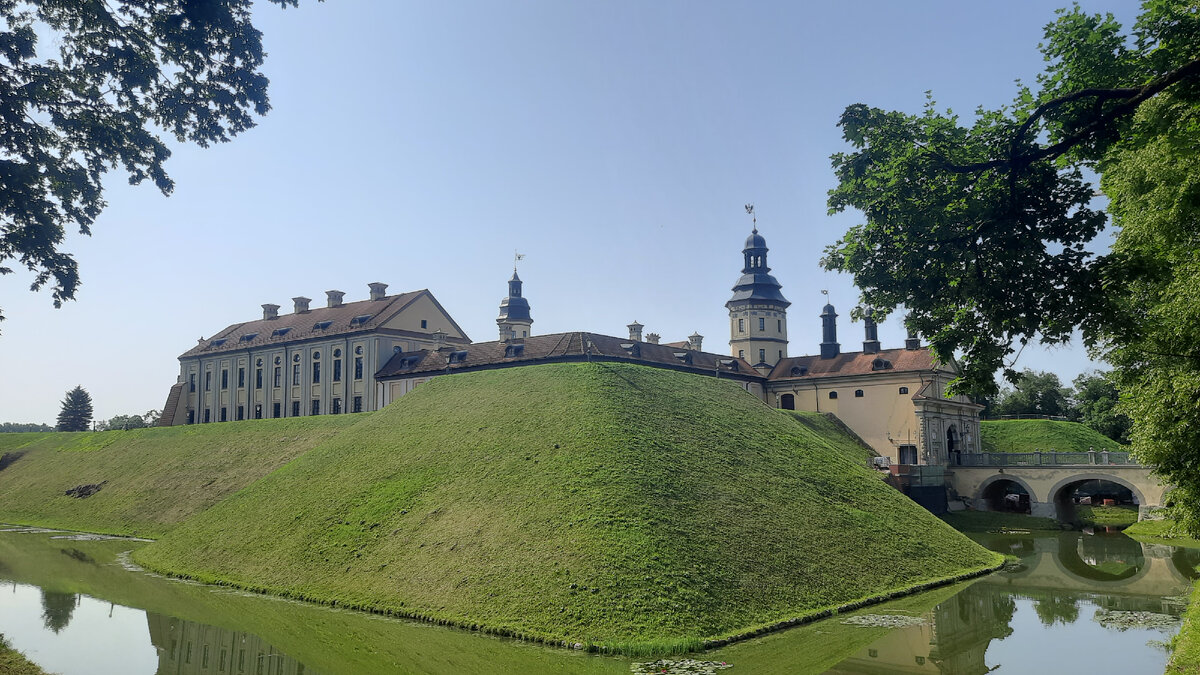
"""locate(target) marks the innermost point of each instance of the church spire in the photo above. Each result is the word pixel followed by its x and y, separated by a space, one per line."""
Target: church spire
pixel 514 321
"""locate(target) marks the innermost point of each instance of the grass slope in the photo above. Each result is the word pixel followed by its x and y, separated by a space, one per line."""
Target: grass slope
pixel 13 662
pixel 1045 435
pixel 155 477
pixel 596 503
pixel 1185 655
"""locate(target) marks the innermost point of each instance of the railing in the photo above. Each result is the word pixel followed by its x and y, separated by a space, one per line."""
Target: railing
pixel 1093 457
pixel 992 418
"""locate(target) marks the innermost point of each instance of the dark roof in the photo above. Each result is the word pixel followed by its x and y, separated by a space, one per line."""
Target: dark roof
pixel 344 320
pixel 853 363
pixel 755 241
pixel 563 347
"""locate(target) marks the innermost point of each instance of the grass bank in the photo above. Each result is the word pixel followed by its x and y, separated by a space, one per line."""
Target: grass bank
pixel 594 504
pixel 997 521
pixel 13 662
pixel 150 479
pixel 1106 516
pixel 1185 655
pixel 1044 435
pixel 1163 531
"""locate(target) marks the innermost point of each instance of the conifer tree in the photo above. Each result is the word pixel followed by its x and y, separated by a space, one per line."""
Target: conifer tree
pixel 76 414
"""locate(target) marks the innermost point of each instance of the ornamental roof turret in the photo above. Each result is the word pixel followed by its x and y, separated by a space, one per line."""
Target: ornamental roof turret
pixel 756 283
pixel 514 308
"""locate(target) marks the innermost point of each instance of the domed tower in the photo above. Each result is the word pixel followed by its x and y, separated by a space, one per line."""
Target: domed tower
pixel 514 320
pixel 757 310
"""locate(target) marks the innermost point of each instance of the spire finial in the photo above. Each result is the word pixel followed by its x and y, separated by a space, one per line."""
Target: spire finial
pixel 517 257
pixel 753 218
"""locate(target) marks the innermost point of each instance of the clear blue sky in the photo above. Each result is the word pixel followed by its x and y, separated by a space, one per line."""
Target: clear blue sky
pixel 419 144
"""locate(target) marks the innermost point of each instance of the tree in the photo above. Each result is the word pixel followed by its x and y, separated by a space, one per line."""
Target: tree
pixel 17 427
pixel 983 232
pixel 76 413
pixel 1095 404
pixel 127 422
pixel 1034 393
pixel 57 609
pixel 122 70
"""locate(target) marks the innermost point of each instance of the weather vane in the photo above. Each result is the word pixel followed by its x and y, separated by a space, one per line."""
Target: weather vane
pixel 825 292
pixel 517 257
pixel 754 218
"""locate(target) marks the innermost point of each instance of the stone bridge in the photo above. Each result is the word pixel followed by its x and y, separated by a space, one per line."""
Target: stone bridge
pixel 1050 479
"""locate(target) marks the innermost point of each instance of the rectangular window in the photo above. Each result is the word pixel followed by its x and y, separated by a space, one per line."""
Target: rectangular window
pixel 224 378
pixel 207 415
pixel 258 378
pixel 781 354
pixel 241 377
pixel 241 413
pixel 337 370
pixel 278 376
pixel 337 406
pixel 295 408
pixel 187 654
pixel 275 412
pixel 357 404
pixel 192 382
pixel 358 367
pixel 191 417
pixel 316 373
pixel 258 411
pixel 762 323
pixel 224 414
pixel 316 406
pixel 778 325
pixel 295 373
pixel 762 356
pixel 241 659
pixel 741 325
pixel 208 380
pixel 221 663
pixel 741 353
pixel 204 657
pixel 424 324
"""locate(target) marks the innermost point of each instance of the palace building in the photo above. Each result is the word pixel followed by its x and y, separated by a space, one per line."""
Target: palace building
pixel 361 356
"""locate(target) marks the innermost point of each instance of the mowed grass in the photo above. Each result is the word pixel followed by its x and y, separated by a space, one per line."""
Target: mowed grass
pixel 152 478
pixel 1185 655
pixel 1111 516
pixel 594 503
pixel 1044 435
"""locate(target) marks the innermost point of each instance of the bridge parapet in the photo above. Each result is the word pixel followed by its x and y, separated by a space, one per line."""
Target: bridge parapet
pixel 1090 458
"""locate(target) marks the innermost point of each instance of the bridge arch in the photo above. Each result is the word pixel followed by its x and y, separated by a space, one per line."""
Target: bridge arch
pixel 1060 493
pixel 992 488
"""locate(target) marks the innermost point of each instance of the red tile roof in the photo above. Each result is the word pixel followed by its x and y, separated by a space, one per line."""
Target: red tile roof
pixel 853 363
pixel 301 326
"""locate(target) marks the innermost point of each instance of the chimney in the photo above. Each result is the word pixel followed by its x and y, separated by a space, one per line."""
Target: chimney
pixel 378 290
pixel 270 311
pixel 439 338
pixel 301 305
pixel 653 338
pixel 635 331
pixel 829 344
pixel 913 342
pixel 871 337
pixel 694 341
pixel 333 298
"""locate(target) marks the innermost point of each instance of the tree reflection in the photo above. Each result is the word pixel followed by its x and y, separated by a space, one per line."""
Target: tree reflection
pixel 1055 608
pixel 57 609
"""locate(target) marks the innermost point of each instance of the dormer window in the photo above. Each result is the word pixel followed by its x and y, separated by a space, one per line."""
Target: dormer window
pixel 280 332
pixel 633 348
pixel 322 325
pixel 248 337
pixel 360 320
pixel 798 371
pixel 458 356
pixel 218 342
pixel 514 350
pixel 686 357
pixel 881 364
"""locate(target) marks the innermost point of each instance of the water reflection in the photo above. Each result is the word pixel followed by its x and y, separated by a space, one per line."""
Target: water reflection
pixel 57 609
pixel 190 648
pixel 1058 593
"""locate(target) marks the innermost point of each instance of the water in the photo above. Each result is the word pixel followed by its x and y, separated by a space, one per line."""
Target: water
pixel 73 608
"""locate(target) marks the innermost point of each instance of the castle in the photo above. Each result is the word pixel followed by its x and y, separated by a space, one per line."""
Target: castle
pixel 361 356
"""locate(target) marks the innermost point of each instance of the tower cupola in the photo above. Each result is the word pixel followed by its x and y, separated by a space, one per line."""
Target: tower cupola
pixel 829 344
pixel 757 310
pixel 514 321
pixel 870 334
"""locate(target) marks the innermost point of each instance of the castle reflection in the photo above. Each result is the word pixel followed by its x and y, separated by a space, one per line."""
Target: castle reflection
pixel 190 648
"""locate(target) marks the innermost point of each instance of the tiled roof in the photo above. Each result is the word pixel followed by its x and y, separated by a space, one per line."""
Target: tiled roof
pixel 561 347
pixel 852 363
pixel 344 320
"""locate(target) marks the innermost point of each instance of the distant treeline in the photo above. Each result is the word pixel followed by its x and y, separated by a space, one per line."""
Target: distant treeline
pixel 14 427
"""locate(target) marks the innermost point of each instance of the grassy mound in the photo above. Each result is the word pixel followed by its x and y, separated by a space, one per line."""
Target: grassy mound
pixel 150 479
pixel 1044 435
pixel 592 503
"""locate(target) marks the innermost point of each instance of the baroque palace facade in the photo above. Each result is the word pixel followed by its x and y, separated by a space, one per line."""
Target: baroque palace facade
pixel 361 356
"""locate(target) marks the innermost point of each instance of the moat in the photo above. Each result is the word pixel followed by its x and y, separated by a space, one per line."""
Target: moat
pixel 1077 602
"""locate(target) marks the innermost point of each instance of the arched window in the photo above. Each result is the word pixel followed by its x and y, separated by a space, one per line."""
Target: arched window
pixel 858 393
pixel 833 394
pixel 787 402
